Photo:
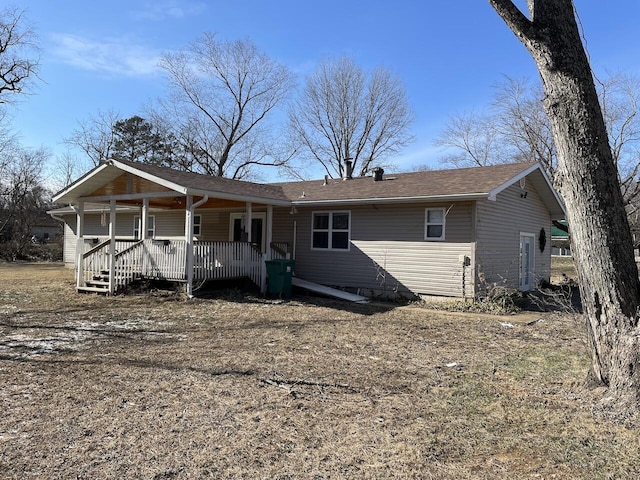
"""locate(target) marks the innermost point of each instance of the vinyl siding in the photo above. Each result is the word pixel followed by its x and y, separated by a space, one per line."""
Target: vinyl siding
pixel 388 251
pixel 499 226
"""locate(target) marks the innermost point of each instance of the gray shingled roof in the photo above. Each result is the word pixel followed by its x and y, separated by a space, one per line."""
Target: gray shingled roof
pixel 210 183
pixel 428 185
pixel 458 182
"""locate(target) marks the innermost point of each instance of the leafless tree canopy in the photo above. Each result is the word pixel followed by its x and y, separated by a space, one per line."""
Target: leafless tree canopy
pixel 221 94
pixel 18 54
pixel 95 136
pixel 22 198
pixel 343 113
pixel 516 128
pixel 513 128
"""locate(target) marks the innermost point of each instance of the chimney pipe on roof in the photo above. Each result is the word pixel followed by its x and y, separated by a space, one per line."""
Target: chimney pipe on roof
pixel 348 169
pixel 377 174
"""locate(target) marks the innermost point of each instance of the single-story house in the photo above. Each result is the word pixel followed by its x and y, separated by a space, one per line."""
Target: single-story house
pixel 432 233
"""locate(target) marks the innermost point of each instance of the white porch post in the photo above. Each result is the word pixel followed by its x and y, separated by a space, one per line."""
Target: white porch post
pixel 80 244
pixel 112 246
pixel 248 221
pixel 143 219
pixel 267 254
pixel 269 232
pixel 188 236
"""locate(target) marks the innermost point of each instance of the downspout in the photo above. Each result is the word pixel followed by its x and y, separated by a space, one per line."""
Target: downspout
pixel 295 237
pixel 189 242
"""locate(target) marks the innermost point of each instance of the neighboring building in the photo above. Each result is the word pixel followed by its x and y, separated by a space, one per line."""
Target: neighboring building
pixel 46 229
pixel 560 239
pixel 441 233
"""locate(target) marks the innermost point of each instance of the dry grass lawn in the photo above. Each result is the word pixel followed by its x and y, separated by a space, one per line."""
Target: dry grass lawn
pixel 236 386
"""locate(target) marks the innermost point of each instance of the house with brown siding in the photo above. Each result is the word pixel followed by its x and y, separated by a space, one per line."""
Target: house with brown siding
pixel 434 233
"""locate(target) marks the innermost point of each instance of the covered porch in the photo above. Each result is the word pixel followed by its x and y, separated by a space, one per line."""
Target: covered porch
pixel 179 251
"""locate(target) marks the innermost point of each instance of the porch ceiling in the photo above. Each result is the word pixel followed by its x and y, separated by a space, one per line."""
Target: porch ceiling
pixel 127 183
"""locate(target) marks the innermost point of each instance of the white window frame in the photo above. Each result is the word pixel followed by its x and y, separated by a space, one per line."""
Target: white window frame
pixel 330 231
pixel 151 226
pixel 427 224
pixel 197 225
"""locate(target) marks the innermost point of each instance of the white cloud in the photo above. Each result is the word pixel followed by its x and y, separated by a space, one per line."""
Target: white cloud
pixel 115 56
pixel 160 10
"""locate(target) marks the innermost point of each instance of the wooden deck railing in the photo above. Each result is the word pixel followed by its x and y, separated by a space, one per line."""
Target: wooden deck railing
pixel 95 261
pixel 166 260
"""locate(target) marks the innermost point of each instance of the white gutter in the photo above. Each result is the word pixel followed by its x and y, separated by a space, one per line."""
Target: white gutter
pixel 368 201
pixel 241 198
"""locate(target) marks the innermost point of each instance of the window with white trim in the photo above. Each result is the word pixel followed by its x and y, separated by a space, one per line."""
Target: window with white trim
pixel 151 226
pixel 330 230
pixel 197 224
pixel 434 222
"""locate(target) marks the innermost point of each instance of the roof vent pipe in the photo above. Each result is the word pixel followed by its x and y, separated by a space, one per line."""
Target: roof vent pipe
pixel 348 169
pixel 377 174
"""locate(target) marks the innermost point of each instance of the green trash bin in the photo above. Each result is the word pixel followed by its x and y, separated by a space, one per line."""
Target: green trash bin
pixel 279 274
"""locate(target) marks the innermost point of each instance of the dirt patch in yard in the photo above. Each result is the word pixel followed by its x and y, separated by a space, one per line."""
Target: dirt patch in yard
pixel 237 386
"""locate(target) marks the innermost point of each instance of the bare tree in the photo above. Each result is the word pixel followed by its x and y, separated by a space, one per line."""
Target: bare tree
pixel 65 169
pixel 516 128
pixel 522 122
pixel 345 114
pixel 620 99
pixel 221 94
pixel 22 200
pixel 18 54
pixel 513 128
pixel 472 140
pixel 587 177
pixel 95 136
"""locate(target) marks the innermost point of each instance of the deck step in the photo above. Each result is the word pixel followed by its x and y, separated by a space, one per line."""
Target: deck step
pixel 92 289
pixel 97 282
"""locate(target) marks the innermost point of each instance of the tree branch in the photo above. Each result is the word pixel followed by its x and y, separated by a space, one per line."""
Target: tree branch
pixel 519 24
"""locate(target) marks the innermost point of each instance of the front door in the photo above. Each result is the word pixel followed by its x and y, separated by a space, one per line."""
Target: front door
pixel 527 262
pixel 238 229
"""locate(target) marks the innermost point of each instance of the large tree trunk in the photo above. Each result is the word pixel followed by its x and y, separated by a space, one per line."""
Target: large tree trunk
pixel 588 182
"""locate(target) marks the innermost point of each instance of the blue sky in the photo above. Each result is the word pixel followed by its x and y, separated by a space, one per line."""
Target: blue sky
pixel 99 56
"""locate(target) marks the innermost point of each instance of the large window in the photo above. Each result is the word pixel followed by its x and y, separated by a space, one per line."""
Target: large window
pixel 151 226
pixel 434 224
pixel 331 230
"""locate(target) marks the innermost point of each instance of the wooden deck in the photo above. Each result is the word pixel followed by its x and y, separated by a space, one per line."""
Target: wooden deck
pixel 166 260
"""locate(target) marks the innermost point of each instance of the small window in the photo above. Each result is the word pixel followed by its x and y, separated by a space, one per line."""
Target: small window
pixel 331 230
pixel 197 224
pixel 434 224
pixel 151 226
